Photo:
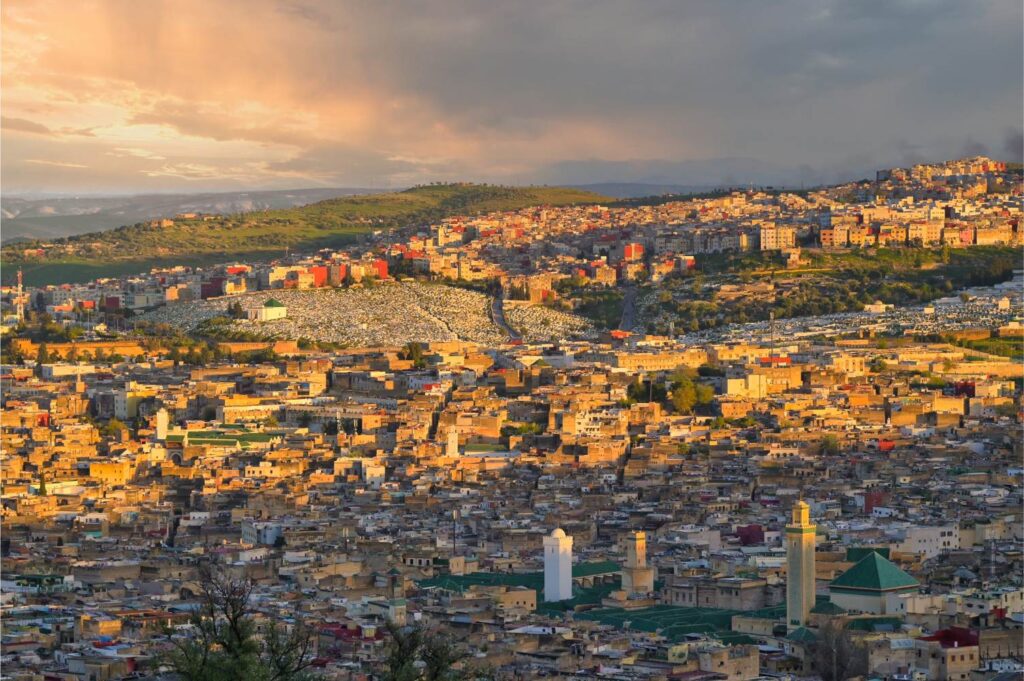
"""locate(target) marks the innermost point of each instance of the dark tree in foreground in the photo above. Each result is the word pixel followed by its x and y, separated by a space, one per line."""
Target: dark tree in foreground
pixel 835 655
pixel 415 655
pixel 224 644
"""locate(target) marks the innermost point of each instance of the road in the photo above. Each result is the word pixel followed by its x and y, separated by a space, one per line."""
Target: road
pixel 498 315
pixel 628 309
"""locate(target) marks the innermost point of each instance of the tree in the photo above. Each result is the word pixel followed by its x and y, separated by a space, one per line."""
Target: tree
pixel 415 655
pixel 43 355
pixel 440 655
pixel 13 353
pixel 400 663
pixel 684 396
pixel 645 391
pixel 835 656
pixel 829 445
pixel 114 427
pixel 413 352
pixel 224 642
pixel 271 421
pixel 705 393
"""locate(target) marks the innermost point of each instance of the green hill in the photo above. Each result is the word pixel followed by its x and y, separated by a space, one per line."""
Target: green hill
pixel 263 235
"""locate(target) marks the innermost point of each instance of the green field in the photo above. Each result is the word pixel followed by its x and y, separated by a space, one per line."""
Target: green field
pixel 266 234
pixel 1003 347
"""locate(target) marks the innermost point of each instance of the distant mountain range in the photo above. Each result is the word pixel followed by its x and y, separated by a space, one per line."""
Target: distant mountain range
pixel 28 218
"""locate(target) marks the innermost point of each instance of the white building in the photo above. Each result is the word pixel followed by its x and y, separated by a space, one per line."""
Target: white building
pixel 269 311
pixel 930 541
pixel 557 566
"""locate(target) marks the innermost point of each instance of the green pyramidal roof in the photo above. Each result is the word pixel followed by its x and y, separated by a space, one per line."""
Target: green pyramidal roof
pixel 802 635
pixel 273 303
pixel 827 608
pixel 873 573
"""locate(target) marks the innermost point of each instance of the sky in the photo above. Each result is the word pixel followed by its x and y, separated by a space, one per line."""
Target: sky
pixel 119 96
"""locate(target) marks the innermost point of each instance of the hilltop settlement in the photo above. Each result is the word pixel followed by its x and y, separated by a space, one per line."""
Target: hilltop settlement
pixel 749 435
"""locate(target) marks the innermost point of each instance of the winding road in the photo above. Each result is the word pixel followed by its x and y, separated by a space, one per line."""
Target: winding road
pixel 498 316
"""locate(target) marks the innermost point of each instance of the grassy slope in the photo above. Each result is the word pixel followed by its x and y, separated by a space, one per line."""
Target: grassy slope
pixel 335 222
pixel 831 282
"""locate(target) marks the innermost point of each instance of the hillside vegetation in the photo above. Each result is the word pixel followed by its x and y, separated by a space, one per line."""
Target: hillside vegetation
pixel 334 222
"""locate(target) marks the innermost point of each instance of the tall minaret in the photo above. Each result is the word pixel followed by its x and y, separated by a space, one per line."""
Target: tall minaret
pixel 452 447
pixel 162 421
pixel 799 566
pixel 637 578
pixel 20 303
pixel 557 566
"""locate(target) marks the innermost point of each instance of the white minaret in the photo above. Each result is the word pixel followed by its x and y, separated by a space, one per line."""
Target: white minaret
pixel 800 539
pixel 452 448
pixel 557 566
pixel 162 421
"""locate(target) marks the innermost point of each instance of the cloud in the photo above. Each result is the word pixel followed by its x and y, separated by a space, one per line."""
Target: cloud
pixel 342 165
pixel 973 147
pixel 55 164
pixel 1013 145
pixel 282 92
pixel 136 153
pixel 22 125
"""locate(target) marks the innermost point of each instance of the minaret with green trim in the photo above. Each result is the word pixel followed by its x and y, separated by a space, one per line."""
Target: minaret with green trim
pixel 799 566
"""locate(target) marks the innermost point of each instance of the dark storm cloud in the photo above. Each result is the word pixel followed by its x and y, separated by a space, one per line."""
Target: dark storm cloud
pixel 1013 145
pixel 389 92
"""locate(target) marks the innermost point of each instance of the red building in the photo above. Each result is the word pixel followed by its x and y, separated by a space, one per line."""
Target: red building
pixel 633 252
pixel 319 273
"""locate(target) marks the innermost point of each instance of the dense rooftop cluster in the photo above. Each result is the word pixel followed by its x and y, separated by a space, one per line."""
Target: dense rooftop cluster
pixel 365 458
